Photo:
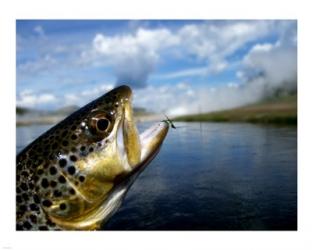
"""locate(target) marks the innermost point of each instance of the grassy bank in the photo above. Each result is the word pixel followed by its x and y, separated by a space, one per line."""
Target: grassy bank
pixel 281 110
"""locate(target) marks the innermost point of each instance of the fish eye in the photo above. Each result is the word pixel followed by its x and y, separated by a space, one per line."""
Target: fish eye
pixel 102 124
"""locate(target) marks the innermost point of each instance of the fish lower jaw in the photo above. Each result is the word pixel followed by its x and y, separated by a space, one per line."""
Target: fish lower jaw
pixel 98 216
pixel 152 138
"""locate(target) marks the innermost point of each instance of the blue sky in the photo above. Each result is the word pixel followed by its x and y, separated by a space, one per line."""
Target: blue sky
pixel 173 66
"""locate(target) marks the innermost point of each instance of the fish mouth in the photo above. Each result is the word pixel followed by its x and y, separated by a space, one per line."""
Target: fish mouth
pixel 137 150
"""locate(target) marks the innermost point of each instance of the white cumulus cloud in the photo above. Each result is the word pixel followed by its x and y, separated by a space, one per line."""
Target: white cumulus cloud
pixel 133 56
pixel 28 98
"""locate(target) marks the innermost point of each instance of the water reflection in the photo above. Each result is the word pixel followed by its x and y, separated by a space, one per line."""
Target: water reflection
pixel 213 176
pixel 26 134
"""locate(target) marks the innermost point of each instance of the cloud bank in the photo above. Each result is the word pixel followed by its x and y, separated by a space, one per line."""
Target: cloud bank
pixel 171 69
pixel 135 56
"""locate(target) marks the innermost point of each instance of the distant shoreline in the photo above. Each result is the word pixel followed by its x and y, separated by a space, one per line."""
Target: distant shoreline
pixel 278 110
pixel 281 111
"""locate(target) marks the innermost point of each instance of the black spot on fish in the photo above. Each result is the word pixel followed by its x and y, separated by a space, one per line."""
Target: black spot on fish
pixel 57 193
pixel 36 199
pixel 62 206
pixel 27 225
pixel 81 178
pixel 62 179
pixel 25 197
pixel 53 170
pixel 44 183
pixel 19 166
pixel 74 127
pixel 24 186
pixel 74 137
pixel 31 185
pixel 40 171
pixel 34 207
pixel 47 203
pixel 20 213
pixel 25 173
pixel 73 158
pixel 22 208
pixel 54 145
pixel 43 228
pixel 33 218
pixel 53 184
pixel 71 170
pixel 62 163
pixel 50 223
pixel 72 191
pixel 19 199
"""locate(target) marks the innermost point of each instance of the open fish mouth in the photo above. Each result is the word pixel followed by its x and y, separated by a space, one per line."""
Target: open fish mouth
pixel 137 150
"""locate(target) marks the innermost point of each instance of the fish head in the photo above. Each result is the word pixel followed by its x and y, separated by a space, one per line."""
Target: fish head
pixel 104 154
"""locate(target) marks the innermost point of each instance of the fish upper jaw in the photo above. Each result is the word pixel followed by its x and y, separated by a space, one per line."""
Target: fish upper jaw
pixel 134 148
pixel 131 137
pixel 137 147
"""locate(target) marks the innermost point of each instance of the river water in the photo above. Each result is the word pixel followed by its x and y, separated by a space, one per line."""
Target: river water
pixel 211 176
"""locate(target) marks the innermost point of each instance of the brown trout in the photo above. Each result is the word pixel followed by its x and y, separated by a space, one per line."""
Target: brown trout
pixel 75 175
